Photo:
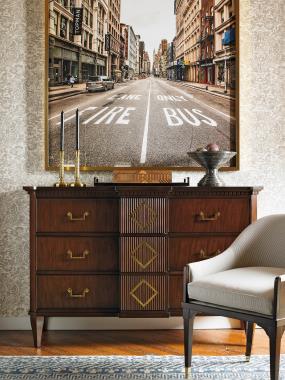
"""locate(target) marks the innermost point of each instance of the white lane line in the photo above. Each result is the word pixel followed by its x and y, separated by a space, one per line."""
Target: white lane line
pixel 201 103
pixel 146 127
pixel 57 116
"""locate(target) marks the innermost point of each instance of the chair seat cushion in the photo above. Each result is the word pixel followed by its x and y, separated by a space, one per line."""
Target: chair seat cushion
pixel 249 289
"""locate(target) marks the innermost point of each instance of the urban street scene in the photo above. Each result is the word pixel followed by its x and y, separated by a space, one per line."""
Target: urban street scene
pixel 151 82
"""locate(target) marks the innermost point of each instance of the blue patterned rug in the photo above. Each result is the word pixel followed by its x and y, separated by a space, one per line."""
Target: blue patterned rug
pixel 134 367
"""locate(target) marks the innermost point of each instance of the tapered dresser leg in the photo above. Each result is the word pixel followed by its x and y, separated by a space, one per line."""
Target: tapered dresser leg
pixel 37 323
pixel 188 319
pixel 275 345
pixel 250 327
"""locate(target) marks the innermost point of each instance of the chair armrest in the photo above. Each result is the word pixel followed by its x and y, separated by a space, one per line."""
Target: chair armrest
pixel 220 263
pixel 279 297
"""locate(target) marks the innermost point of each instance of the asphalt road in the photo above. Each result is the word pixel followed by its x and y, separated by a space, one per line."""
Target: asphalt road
pixel 148 122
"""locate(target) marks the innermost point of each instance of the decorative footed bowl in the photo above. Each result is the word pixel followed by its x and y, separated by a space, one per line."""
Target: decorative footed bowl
pixel 211 161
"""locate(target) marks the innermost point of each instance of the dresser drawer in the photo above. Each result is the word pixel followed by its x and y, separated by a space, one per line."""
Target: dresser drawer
pixel 79 254
pixel 184 250
pixel 144 215
pixel 209 215
pixel 77 292
pixel 144 293
pixel 77 215
pixel 143 254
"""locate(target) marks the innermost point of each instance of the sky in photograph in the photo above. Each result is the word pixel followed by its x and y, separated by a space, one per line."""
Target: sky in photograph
pixel 153 20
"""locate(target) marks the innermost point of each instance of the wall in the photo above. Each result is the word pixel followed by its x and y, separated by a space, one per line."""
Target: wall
pixel 262 129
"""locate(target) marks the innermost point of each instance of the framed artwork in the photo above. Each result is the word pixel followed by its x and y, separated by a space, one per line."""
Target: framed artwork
pixel 150 84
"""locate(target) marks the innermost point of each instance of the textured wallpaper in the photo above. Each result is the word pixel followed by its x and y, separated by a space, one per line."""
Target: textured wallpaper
pixel 262 128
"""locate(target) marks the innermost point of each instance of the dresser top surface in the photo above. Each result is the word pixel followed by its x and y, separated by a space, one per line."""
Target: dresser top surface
pixel 110 190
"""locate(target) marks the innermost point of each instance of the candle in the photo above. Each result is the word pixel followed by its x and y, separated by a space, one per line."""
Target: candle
pixel 77 129
pixel 62 131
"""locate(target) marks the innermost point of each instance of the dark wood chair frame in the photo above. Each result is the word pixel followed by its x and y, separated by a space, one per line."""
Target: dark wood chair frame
pixel 274 326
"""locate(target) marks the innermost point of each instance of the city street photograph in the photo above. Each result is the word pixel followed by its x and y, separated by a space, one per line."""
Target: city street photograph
pixel 135 84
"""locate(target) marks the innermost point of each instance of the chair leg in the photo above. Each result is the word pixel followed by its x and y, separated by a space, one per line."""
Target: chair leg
pixel 188 319
pixel 275 336
pixel 250 328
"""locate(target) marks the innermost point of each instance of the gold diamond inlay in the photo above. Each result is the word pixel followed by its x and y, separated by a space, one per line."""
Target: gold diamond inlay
pixel 143 216
pixel 139 285
pixel 151 251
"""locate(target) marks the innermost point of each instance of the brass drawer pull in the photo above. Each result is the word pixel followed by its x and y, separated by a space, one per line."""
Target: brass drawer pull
pixel 83 295
pixel 203 254
pixel 84 255
pixel 82 219
pixel 204 218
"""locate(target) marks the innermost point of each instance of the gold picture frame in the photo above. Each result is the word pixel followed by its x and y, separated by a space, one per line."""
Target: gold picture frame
pixel 91 168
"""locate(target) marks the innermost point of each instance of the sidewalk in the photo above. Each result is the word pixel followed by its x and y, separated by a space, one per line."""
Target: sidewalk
pixel 58 92
pixel 66 91
pixel 214 90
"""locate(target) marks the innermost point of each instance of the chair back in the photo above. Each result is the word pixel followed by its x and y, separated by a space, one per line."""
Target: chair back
pixel 262 243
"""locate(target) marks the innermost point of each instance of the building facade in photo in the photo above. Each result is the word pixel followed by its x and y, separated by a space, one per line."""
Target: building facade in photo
pixel 124 38
pixel 132 52
pixel 141 56
pixel 179 10
pixel 101 19
pixel 225 43
pixel 160 60
pixel 137 71
pixel 171 61
pixel 146 68
pixel 114 8
pixel 207 66
pixel 129 49
pixel 192 34
pixel 163 58
pixel 156 63
pixel 81 56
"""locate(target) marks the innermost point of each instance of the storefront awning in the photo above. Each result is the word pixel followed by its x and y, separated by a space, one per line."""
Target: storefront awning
pixel 206 64
pixel 227 58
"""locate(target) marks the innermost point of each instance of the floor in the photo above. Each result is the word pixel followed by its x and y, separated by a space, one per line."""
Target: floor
pixel 168 342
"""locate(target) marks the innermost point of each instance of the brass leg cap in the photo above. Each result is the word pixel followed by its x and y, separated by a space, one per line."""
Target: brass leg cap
pixel 188 373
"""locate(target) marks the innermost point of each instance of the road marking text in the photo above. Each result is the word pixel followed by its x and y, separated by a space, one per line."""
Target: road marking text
pixel 177 116
pixel 170 98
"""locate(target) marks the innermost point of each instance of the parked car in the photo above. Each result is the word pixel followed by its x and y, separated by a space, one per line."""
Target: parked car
pixel 99 83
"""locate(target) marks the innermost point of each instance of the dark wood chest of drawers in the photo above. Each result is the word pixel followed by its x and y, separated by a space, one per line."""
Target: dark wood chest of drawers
pixel 120 250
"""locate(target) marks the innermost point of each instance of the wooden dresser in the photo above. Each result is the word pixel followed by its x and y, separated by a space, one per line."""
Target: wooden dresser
pixel 120 250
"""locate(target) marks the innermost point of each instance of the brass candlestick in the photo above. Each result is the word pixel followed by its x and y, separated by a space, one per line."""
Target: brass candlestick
pixel 61 182
pixel 77 181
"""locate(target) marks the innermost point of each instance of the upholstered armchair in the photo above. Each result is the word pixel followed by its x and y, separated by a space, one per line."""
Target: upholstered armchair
pixel 245 282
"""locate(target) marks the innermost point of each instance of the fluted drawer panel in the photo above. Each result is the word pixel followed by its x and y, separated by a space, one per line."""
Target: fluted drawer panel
pixel 143 293
pixel 144 254
pixel 144 215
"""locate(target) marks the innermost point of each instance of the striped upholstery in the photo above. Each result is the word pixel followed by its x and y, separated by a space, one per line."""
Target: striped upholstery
pixel 248 289
pixel 243 276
